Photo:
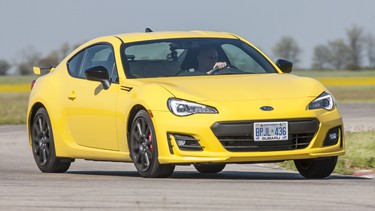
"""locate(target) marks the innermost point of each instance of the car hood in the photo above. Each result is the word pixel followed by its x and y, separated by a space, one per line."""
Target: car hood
pixel 240 87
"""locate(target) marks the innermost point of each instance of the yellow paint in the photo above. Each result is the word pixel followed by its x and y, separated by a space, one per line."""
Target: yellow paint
pixel 36 70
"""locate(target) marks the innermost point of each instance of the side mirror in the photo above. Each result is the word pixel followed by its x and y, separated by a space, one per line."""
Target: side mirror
pixel 284 65
pixel 98 73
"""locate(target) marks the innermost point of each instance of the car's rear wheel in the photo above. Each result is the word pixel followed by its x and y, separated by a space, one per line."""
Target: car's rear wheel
pixel 209 168
pixel 43 145
pixel 144 149
pixel 316 168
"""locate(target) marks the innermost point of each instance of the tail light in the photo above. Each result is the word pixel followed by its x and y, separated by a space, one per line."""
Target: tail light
pixel 33 83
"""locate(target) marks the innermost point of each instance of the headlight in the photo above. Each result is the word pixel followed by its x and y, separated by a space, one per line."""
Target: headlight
pixel 184 108
pixel 324 100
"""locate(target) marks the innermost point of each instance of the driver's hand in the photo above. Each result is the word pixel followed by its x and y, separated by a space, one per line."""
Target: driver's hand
pixel 218 65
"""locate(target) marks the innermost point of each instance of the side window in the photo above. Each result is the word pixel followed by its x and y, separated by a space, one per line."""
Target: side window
pixel 101 55
pixel 241 59
pixel 74 65
pixel 98 55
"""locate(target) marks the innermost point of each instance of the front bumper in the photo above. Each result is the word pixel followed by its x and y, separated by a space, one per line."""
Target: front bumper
pixel 212 132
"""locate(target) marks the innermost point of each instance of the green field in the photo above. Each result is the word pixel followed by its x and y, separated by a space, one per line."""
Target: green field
pixel 17 79
pixel 13 108
pixel 360 94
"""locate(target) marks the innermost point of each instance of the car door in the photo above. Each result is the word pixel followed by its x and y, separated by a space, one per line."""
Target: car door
pixel 90 109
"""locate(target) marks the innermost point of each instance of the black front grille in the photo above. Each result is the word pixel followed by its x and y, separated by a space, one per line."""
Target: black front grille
pixel 238 136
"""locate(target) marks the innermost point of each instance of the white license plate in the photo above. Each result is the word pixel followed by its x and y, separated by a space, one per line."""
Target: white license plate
pixel 270 131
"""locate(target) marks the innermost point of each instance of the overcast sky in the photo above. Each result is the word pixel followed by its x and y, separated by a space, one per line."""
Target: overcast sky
pixel 47 24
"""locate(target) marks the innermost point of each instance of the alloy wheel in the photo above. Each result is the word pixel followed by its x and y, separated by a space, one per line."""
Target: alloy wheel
pixel 142 148
pixel 41 134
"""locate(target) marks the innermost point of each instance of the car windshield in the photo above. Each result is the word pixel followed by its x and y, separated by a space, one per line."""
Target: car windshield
pixel 179 57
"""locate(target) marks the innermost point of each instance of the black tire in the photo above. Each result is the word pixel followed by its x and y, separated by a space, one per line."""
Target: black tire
pixel 43 146
pixel 144 150
pixel 316 168
pixel 209 168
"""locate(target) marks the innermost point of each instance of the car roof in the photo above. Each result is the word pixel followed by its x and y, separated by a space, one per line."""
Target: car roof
pixel 136 37
pixel 146 36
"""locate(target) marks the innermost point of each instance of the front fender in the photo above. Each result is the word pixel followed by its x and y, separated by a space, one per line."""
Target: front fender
pixel 151 97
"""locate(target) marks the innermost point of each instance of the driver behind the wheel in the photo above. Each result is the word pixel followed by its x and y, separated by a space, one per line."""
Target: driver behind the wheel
pixel 207 60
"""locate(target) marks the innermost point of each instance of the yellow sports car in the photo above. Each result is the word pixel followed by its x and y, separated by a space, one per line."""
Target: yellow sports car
pixel 161 99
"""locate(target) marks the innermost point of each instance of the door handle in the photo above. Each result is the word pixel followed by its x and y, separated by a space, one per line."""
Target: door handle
pixel 72 95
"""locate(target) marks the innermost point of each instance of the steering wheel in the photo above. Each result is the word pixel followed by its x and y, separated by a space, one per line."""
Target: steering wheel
pixel 216 71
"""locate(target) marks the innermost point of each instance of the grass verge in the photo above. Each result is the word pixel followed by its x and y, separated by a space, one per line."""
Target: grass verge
pixel 360 153
pixel 13 107
pixel 353 93
pixel 334 73
pixel 17 79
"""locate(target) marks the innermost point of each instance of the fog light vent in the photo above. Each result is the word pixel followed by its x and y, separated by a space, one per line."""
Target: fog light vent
pixel 332 136
pixel 186 142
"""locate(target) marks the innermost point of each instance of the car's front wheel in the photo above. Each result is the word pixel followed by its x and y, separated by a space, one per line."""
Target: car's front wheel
pixel 43 146
pixel 209 168
pixel 144 149
pixel 316 168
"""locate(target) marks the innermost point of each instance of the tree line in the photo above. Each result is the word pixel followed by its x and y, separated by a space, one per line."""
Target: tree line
pixel 29 57
pixel 356 51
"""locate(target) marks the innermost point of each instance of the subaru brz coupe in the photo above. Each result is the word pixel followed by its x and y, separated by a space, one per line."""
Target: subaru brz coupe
pixel 140 98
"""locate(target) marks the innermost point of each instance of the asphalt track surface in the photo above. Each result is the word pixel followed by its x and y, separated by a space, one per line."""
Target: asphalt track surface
pixel 92 185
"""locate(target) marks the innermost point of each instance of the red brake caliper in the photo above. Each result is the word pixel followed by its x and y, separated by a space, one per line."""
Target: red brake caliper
pixel 150 139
